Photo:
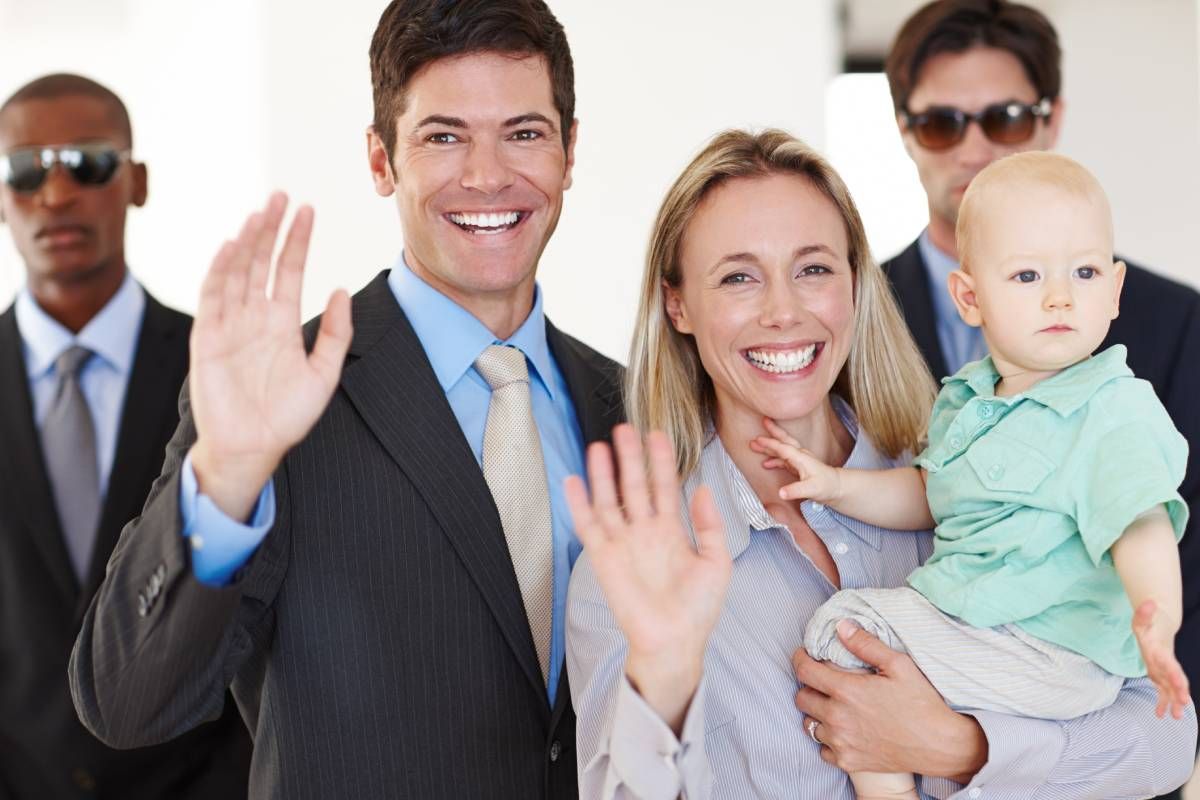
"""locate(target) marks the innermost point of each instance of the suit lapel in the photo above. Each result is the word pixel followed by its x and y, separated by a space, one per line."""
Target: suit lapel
pixel 595 389
pixel 21 463
pixel 150 402
pixel 392 385
pixel 910 281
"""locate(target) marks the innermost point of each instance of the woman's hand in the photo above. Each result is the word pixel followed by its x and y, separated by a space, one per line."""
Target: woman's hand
pixel 818 481
pixel 1155 634
pixel 665 594
pixel 892 720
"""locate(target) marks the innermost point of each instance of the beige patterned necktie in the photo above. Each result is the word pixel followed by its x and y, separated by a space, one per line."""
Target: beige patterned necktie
pixel 516 475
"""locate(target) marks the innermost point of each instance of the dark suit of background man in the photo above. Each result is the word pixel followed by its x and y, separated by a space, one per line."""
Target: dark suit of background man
pixel 391 614
pixel 1003 60
pixel 90 365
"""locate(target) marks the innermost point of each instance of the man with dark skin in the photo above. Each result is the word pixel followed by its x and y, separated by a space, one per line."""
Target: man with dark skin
pixel 973 81
pixel 90 366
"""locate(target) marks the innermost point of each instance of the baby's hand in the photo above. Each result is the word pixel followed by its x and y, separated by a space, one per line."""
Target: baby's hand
pixel 1156 639
pixel 818 481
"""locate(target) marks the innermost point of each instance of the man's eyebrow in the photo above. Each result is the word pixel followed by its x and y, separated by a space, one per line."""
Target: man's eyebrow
pixel 532 116
pixel 441 119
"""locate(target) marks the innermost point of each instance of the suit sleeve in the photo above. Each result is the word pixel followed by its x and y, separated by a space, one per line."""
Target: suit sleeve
pixel 158 648
pixel 1181 400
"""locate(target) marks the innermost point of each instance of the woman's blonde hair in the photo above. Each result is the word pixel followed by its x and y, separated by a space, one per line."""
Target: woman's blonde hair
pixel 885 379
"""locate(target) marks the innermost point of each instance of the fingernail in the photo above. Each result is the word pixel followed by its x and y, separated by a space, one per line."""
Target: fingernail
pixel 846 628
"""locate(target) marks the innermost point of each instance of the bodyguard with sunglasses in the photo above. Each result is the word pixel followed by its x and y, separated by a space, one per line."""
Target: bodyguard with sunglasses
pixel 90 368
pixel 976 80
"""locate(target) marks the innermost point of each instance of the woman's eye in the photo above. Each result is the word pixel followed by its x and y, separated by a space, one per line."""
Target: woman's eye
pixel 816 269
pixel 1026 276
pixel 1087 273
pixel 735 278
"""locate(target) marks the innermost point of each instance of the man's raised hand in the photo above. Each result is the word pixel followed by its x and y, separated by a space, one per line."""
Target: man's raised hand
pixel 255 391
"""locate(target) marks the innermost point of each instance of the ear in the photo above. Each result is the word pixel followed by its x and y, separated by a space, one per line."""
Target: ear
pixel 380 162
pixel 567 178
pixel 676 310
pixel 1119 280
pixel 906 138
pixel 1054 126
pixel 141 185
pixel 962 290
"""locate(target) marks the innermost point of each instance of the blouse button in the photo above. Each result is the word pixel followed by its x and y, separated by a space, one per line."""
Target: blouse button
pixel 841 548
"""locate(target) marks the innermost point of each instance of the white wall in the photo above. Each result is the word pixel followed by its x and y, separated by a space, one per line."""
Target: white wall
pixel 234 97
pixel 277 94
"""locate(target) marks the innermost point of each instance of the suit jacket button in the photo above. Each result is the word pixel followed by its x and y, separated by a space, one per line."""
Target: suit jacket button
pixel 555 751
pixel 83 779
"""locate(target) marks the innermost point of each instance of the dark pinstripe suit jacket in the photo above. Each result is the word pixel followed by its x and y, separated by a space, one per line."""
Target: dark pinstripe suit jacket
pixel 1160 326
pixel 45 753
pixel 376 643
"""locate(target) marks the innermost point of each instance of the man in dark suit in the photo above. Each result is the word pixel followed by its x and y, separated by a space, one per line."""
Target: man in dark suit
pixel 90 365
pixel 390 615
pixel 976 80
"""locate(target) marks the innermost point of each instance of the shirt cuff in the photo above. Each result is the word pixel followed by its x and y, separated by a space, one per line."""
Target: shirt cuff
pixel 1022 752
pixel 220 545
pixel 647 757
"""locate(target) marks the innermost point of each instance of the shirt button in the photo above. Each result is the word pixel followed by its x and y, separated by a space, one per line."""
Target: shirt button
pixel 817 506
pixel 995 472
pixel 841 548
pixel 987 410
pixel 555 751
pixel 197 542
pixel 956 442
pixel 975 792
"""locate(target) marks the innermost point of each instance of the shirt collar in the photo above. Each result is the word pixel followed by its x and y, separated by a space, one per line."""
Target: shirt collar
pixel 453 338
pixel 109 334
pixel 938 265
pixel 745 512
pixel 1064 393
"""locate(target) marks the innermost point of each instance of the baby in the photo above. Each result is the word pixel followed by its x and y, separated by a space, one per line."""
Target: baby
pixel 1051 475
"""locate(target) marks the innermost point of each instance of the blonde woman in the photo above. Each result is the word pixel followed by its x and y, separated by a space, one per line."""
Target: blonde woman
pixel 761 301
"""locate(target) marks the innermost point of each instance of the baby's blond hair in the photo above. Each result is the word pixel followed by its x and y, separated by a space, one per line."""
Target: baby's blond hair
pixel 1023 170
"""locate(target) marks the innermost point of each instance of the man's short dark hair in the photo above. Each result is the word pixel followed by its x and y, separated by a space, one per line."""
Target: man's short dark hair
pixel 954 26
pixel 64 84
pixel 414 33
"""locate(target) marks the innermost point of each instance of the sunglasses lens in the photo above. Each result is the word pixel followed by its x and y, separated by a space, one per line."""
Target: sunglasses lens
pixel 91 166
pixel 23 171
pixel 939 128
pixel 1009 123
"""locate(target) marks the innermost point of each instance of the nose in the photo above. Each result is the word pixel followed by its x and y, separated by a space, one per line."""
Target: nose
pixel 975 150
pixel 1057 295
pixel 59 189
pixel 485 169
pixel 781 307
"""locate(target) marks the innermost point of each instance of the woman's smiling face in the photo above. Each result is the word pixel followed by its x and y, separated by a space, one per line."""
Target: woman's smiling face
pixel 767 292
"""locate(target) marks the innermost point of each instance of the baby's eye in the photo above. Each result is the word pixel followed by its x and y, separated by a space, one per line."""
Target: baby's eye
pixel 1026 276
pixel 1087 273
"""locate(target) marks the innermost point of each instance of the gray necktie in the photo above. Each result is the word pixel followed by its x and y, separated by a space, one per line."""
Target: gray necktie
pixel 69 447
pixel 516 476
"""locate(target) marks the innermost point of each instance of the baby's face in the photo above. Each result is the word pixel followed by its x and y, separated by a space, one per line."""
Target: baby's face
pixel 1044 279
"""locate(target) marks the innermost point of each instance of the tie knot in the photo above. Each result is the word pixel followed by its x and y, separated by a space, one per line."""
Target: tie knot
pixel 71 361
pixel 501 365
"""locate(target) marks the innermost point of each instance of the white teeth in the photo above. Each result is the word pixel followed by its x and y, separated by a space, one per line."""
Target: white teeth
pixel 782 361
pixel 486 223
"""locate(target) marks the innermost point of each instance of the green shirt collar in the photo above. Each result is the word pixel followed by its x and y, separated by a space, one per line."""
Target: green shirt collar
pixel 1065 393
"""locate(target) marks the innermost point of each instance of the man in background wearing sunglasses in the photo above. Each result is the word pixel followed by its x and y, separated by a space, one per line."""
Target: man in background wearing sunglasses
pixel 90 369
pixel 976 80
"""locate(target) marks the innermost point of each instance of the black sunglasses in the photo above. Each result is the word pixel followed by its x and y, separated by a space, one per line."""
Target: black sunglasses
pixel 25 170
pixel 942 127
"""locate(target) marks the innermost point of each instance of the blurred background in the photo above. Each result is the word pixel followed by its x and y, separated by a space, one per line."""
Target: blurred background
pixel 231 99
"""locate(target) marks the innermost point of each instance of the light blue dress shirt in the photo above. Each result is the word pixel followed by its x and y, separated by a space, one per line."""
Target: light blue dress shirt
pixel 112 335
pixel 960 342
pixel 452 339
